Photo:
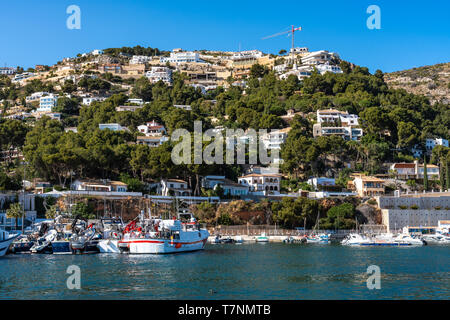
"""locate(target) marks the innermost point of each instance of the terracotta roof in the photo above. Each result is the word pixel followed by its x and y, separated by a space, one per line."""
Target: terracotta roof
pixel 372 179
pixel 404 165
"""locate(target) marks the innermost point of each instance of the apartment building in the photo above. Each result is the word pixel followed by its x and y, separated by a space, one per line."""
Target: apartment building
pixel 181 57
pixel 7 71
pixel 47 103
pixel 406 171
pixel 367 186
pixel 335 122
pixel 324 68
pixel 156 74
pixel 140 59
pixel 319 57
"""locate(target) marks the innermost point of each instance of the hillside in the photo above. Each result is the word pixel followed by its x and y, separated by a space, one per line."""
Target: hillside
pixel 430 81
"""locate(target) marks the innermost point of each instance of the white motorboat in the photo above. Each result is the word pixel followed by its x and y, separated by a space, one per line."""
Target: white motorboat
pixel 318 238
pixel 262 238
pixel 112 233
pixel 407 239
pixel 355 239
pixel 5 241
pixel 163 236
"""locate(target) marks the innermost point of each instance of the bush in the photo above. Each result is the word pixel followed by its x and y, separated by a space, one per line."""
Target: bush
pixel 403 207
pixel 414 207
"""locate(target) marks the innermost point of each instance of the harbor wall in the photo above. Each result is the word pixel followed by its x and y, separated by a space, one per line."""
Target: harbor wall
pixel 396 219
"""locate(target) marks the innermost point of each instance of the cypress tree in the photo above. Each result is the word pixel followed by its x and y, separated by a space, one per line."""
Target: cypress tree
pixel 447 174
pixel 441 174
pixel 425 174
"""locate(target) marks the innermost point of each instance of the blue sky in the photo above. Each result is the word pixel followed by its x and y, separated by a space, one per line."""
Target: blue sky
pixel 413 33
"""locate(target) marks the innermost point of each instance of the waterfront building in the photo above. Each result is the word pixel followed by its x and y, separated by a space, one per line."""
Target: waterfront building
pixel 367 186
pixel 98 185
pixel 261 183
pixel 421 210
pixel 229 187
pixel 176 187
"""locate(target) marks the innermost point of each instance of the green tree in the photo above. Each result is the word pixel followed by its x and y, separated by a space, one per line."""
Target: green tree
pixel 425 174
pixel 82 210
pixel 339 217
pixel 15 211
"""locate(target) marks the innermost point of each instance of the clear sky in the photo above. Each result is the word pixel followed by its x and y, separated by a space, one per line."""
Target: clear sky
pixel 413 33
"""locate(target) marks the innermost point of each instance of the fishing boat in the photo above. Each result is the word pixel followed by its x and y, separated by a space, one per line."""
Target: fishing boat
pixel 154 236
pixel 5 241
pixel 112 233
pixel 262 238
pixel 238 239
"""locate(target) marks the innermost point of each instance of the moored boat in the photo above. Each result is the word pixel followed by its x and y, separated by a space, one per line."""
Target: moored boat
pixel 5 241
pixel 262 238
pixel 154 236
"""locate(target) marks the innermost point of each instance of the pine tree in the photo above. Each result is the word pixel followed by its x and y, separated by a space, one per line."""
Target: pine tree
pixel 425 174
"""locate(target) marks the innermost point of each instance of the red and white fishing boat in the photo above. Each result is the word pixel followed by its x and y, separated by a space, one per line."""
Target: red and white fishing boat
pixel 163 236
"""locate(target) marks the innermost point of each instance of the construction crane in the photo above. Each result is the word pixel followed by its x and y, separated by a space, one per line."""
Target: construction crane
pixel 288 32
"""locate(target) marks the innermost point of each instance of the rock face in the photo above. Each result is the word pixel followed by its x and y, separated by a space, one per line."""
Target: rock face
pixel 368 214
pixel 430 81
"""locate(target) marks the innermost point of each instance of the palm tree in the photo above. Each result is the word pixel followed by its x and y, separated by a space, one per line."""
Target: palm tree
pixel 15 211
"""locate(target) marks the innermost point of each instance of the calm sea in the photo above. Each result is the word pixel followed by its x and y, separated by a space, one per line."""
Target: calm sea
pixel 246 271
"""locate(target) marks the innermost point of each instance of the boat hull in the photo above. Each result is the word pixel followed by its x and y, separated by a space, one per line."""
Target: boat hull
pixel 61 247
pixel 108 246
pixel 160 246
pixel 4 245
